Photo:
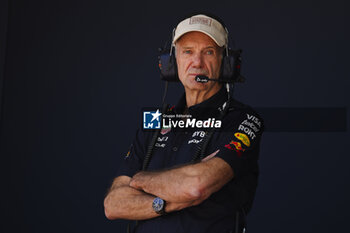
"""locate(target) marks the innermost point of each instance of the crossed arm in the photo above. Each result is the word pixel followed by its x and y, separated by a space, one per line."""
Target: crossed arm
pixel 181 187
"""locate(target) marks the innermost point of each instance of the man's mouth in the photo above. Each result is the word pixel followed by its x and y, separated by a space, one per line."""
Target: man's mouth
pixel 195 74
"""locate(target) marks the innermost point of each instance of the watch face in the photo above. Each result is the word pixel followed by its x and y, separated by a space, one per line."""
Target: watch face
pixel 158 204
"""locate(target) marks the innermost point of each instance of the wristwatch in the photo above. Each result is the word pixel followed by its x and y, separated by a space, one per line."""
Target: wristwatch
pixel 158 205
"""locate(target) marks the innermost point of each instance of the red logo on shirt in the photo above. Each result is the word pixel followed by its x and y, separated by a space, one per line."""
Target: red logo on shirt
pixel 236 146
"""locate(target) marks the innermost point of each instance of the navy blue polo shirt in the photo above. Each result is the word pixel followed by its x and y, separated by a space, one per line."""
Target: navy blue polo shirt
pixel 238 140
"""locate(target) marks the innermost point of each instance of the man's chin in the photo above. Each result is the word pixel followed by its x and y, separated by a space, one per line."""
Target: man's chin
pixel 194 85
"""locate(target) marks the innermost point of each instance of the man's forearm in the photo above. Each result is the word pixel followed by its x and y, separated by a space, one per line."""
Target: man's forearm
pixel 170 185
pixel 194 182
pixel 125 202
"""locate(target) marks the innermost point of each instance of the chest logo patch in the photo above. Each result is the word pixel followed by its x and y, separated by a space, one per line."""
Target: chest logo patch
pixel 244 138
pixel 194 141
pixel 160 145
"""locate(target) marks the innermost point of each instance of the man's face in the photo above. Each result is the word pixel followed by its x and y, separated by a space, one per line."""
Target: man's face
pixel 198 54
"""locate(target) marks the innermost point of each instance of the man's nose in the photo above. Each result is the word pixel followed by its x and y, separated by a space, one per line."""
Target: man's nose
pixel 197 60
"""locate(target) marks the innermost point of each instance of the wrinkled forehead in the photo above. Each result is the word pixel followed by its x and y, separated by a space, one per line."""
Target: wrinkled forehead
pixel 196 39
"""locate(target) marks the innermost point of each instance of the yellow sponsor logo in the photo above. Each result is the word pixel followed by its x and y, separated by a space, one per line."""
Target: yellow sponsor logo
pixel 244 138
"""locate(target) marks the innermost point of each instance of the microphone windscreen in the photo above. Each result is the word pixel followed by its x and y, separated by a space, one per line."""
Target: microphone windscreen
pixel 202 79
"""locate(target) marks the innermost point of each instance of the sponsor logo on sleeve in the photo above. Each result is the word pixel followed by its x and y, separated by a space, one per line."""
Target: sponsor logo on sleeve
pixel 244 138
pixel 236 146
pixel 250 126
pixel 245 135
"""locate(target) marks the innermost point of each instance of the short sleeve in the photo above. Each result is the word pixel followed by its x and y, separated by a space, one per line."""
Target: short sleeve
pixel 133 160
pixel 239 140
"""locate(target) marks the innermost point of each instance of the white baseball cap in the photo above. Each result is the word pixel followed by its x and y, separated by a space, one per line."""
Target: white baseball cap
pixel 204 24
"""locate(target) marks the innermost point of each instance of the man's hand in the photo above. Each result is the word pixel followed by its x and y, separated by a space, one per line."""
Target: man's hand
pixel 126 202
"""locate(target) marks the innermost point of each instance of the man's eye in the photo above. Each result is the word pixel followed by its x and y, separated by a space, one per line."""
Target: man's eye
pixel 187 51
pixel 210 52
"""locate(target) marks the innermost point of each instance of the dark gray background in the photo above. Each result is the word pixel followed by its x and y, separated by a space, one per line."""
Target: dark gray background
pixel 76 73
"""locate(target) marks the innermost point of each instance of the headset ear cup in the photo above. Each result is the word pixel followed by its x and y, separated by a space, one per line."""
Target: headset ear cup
pixel 227 68
pixel 237 67
pixel 231 66
pixel 168 66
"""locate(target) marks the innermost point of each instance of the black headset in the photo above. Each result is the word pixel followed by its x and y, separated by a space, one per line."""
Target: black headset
pixel 230 66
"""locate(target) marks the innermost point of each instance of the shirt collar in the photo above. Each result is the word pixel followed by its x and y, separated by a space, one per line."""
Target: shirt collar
pixel 205 109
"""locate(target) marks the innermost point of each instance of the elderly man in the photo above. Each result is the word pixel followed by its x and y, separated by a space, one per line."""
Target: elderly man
pixel 177 194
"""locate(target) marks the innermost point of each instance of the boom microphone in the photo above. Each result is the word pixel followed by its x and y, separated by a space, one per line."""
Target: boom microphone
pixel 204 79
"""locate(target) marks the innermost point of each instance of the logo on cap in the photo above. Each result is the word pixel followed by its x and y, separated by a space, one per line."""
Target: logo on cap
pixel 200 20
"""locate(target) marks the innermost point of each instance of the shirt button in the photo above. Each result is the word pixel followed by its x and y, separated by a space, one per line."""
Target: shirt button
pixel 174 148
